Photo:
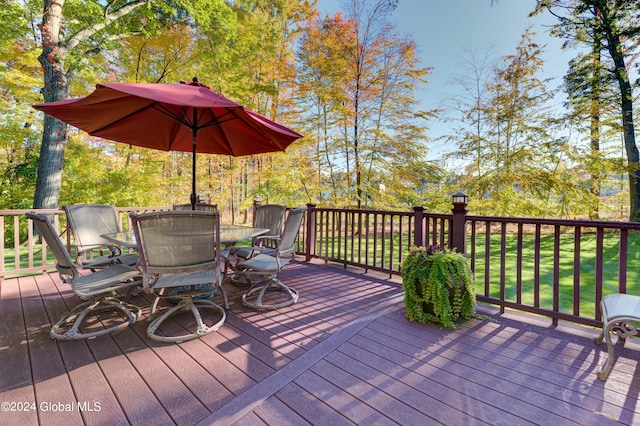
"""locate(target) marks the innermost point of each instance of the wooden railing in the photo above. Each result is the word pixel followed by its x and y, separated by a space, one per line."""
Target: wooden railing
pixel 556 268
pixel 20 253
pixel 371 239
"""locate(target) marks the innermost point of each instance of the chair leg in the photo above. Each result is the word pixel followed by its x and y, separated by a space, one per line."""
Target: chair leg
pixel 623 328
pixel 606 369
pixel 238 278
pixel 193 306
pixel 224 295
pixel 78 314
pixel 154 305
pixel 272 284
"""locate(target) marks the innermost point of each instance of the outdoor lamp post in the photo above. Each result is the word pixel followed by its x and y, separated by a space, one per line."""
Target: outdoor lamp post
pixel 460 200
pixel 459 222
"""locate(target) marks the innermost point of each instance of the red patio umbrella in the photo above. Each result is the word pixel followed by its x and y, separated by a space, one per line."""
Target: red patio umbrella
pixel 172 117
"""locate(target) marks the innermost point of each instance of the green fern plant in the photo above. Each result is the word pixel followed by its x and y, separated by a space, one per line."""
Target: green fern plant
pixel 439 286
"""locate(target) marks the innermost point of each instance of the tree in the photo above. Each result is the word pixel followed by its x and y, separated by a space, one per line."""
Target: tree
pixel 70 41
pixel 321 67
pixel 263 77
pixel 18 76
pixel 248 60
pixel 357 77
pixel 592 104
pixel 393 125
pixel 472 106
pixel 368 19
pixel 615 26
pixel 515 157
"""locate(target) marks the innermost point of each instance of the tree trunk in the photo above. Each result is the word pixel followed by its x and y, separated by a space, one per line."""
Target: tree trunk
pixel 626 104
pixel 56 87
pixel 615 47
pixel 356 154
pixel 594 112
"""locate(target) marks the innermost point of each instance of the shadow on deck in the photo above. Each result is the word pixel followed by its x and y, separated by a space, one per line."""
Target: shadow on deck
pixel 344 354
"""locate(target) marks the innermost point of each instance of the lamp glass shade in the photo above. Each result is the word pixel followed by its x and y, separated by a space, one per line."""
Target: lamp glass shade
pixel 460 198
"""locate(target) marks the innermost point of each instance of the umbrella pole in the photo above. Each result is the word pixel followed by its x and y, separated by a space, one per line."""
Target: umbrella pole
pixel 193 165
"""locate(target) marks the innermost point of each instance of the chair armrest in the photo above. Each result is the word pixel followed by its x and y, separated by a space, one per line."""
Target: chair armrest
pixel 268 240
pixel 85 261
pixel 114 249
pixel 285 254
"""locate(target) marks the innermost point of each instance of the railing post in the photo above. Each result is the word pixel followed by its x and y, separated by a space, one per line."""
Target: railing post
pixel 458 238
pixel 310 232
pixel 257 200
pixel 418 227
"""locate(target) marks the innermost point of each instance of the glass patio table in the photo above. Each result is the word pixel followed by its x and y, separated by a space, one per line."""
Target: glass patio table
pixel 229 235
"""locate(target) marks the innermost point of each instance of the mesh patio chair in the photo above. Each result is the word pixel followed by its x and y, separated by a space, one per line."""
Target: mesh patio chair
pixel 269 216
pixel 179 256
pixel 88 222
pixel 203 207
pixel 99 289
pixel 261 270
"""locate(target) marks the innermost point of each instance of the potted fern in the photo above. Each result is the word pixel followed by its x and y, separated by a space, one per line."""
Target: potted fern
pixel 439 286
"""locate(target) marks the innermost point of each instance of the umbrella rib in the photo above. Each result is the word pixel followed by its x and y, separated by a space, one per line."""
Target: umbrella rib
pixel 215 121
pixel 232 115
pixel 125 117
pixel 157 106
pixel 258 131
pixel 182 120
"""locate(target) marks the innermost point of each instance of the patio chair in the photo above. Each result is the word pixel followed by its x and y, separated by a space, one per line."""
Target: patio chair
pixel 203 207
pixel 87 223
pixel 621 316
pixel 261 271
pixel 269 216
pixel 99 289
pixel 179 256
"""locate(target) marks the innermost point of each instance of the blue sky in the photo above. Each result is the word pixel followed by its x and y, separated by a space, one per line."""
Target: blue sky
pixel 444 29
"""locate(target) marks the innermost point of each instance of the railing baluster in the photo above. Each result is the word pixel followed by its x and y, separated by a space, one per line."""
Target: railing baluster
pixel 519 264
pixel 16 242
pixel 2 258
pixel 473 246
pixel 503 260
pixel 576 269
pixel 556 272
pixel 536 268
pixel 367 218
pixel 599 267
pixel 487 259
pixel 400 244
pixel 622 261
pixel 384 239
pixel 375 239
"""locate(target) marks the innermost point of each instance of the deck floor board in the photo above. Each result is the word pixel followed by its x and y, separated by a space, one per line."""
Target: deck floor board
pixel 344 354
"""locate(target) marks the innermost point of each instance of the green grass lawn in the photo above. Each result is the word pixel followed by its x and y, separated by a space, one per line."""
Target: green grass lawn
pixel 10 261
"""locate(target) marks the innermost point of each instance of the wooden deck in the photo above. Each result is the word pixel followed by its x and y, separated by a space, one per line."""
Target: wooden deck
pixel 344 354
